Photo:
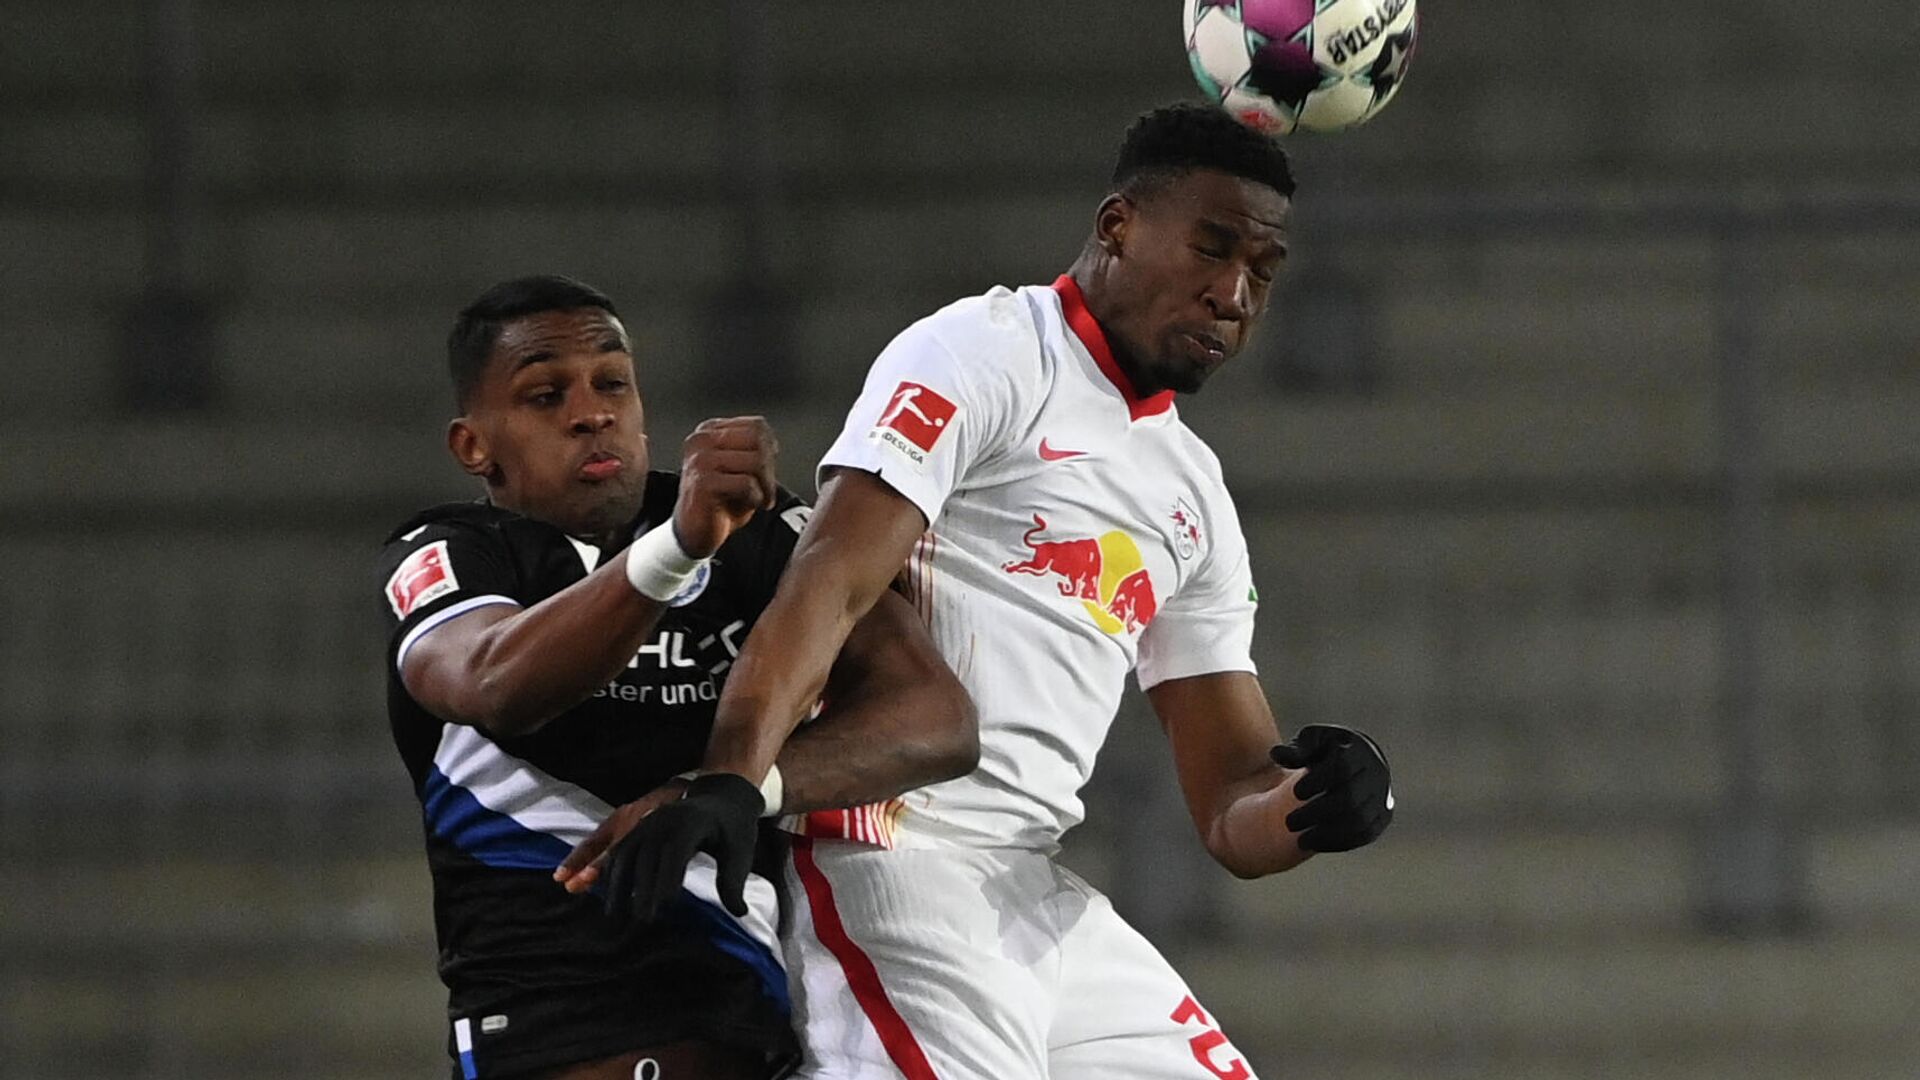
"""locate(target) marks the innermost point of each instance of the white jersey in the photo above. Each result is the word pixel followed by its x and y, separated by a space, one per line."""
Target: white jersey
pixel 1078 532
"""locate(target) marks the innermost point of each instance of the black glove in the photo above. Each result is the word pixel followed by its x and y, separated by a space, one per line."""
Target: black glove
pixel 1348 785
pixel 720 815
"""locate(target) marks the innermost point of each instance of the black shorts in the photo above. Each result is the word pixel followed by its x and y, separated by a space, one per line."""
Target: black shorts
pixel 525 1032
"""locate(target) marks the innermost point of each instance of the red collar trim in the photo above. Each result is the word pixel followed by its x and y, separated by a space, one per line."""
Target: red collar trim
pixel 1073 304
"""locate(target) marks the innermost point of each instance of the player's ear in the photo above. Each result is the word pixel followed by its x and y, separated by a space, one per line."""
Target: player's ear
pixel 1111 222
pixel 469 448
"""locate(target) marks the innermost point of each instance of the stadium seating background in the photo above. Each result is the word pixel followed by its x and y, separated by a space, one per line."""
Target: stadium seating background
pixel 1476 453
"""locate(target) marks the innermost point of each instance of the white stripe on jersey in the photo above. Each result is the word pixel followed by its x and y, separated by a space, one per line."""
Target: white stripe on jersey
pixel 441 618
pixel 507 785
pixel 538 802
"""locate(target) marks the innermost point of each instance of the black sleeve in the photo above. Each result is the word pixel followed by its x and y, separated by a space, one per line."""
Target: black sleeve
pixel 765 545
pixel 441 570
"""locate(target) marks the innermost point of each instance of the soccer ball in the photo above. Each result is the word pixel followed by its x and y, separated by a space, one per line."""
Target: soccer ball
pixel 1322 65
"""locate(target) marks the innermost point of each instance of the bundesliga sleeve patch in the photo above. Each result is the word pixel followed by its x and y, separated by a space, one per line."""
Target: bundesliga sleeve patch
pixel 425 576
pixel 913 421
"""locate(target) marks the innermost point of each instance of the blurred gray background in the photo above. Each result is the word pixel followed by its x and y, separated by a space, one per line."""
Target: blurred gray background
pixel 1581 461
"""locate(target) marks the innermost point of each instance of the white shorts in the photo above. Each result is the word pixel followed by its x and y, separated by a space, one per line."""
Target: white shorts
pixel 980 965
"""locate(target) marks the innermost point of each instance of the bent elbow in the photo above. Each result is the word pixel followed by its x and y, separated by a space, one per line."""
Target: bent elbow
pixel 494 710
pixel 963 750
pixel 1247 871
pixel 1241 868
pixel 953 744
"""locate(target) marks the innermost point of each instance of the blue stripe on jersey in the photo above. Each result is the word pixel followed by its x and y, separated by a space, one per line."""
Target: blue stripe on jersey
pixel 493 838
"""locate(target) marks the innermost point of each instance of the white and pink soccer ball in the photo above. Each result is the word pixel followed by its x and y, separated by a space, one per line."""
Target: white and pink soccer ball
pixel 1320 65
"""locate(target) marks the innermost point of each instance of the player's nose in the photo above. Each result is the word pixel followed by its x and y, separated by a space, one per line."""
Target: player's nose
pixel 1229 296
pixel 592 421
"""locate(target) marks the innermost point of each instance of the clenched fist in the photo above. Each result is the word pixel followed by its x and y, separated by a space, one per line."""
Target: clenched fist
pixel 1347 787
pixel 726 473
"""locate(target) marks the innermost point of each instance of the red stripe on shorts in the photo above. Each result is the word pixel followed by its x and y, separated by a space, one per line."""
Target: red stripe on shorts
pixel 862 978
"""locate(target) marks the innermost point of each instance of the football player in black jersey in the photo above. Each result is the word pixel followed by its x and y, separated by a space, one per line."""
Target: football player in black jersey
pixel 545 666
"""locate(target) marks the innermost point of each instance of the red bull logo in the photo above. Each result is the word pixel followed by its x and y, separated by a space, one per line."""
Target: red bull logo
pixel 1107 575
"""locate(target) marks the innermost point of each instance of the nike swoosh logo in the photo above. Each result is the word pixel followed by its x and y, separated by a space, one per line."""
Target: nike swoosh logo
pixel 1048 453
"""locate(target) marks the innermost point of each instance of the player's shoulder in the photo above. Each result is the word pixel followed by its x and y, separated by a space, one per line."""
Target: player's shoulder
pixel 451 551
pixel 470 530
pixel 998 328
pixel 1196 452
pixel 999 311
pixel 1206 485
pixel 450 519
pixel 1200 470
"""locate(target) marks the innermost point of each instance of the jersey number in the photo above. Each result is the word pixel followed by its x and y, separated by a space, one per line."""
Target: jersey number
pixel 1210 1040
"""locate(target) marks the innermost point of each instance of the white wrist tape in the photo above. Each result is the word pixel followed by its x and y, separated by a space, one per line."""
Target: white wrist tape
pixel 773 790
pixel 659 569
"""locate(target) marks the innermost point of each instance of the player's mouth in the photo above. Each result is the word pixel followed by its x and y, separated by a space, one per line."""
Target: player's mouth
pixel 601 465
pixel 1207 348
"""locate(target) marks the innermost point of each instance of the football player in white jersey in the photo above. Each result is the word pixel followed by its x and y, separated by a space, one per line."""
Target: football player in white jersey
pixel 1021 454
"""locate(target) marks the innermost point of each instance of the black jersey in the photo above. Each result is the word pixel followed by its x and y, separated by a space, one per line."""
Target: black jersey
pixel 501 812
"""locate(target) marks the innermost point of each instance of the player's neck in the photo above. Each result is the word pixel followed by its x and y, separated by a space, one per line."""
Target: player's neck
pixel 597 533
pixel 1089 273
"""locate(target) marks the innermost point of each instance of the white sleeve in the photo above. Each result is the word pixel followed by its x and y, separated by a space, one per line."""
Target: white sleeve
pixel 927 414
pixel 1207 626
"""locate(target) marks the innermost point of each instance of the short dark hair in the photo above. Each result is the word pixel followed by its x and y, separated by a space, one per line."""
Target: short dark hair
pixel 478 326
pixel 1175 139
